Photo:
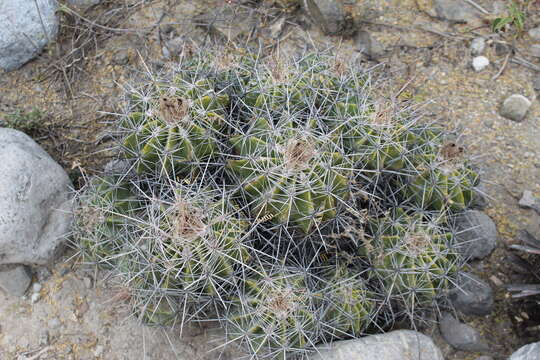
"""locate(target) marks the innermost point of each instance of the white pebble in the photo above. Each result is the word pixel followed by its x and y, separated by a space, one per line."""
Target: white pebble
pixel 35 297
pixel 36 287
pixel 99 351
pixel 480 63
pixel 478 45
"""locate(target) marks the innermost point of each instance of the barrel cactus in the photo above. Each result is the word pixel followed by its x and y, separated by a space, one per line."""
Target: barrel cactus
pixel 349 308
pixel 108 205
pixel 413 257
pixel 178 129
pixel 278 198
pixel 446 183
pixel 290 172
pixel 275 314
pixel 194 241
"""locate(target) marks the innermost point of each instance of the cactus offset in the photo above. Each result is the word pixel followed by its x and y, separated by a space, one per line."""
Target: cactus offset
pixel 178 131
pixel 275 315
pixel 413 257
pixel 446 183
pixel 349 308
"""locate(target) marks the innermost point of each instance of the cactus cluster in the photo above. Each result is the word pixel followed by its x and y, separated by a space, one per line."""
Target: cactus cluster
pixel 279 198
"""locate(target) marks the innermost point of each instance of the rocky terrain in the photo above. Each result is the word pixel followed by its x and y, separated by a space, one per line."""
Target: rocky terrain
pixel 64 86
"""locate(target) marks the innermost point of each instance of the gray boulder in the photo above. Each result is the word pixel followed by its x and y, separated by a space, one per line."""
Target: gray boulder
pixel 461 336
pixel 35 202
pixel 515 107
pixel 14 279
pixel 476 234
pixel 329 15
pixel 527 352
pixel 472 296
pixel 26 27
pixel 395 345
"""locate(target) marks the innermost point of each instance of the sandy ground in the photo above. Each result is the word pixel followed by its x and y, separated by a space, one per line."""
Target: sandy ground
pixel 80 315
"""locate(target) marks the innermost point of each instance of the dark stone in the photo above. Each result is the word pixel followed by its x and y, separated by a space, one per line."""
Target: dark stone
pixel 476 234
pixel 472 296
pixel 461 336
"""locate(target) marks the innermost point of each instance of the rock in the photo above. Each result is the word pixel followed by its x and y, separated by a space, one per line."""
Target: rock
pixel 461 336
pixel 535 50
pixel 454 10
pixel 35 298
pixel 368 45
pixel 536 83
pixel 484 358
pixel 44 338
pixel 502 49
pixel 478 45
pixel 329 15
pixel 14 280
pixel 99 351
pixel 472 296
pixel 87 282
pixel 395 345
pixel 229 22
pixel 121 57
pixel 27 26
pixel 529 201
pixel 480 197
pixel 515 107
pixel 83 3
pixel 479 63
pixel 54 323
pixel 36 287
pixel 35 202
pixel 476 234
pixel 535 33
pixel 527 352
pixel 42 273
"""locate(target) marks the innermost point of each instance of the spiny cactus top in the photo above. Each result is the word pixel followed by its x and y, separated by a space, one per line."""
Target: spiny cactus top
pixel 447 182
pixel 108 205
pixel 414 257
pixel 290 172
pixel 198 238
pixel 175 132
pixel 275 314
pixel 348 306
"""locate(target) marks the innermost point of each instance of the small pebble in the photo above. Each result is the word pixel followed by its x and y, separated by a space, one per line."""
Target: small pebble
pixel 484 358
pixel 54 323
pixel 36 287
pixel 478 45
pixel 536 83
pixel 480 63
pixel 496 281
pixel 535 33
pixel 535 50
pixel 35 298
pixel 44 338
pixel 515 107
pixel 501 49
pixel 87 282
pixel 99 351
